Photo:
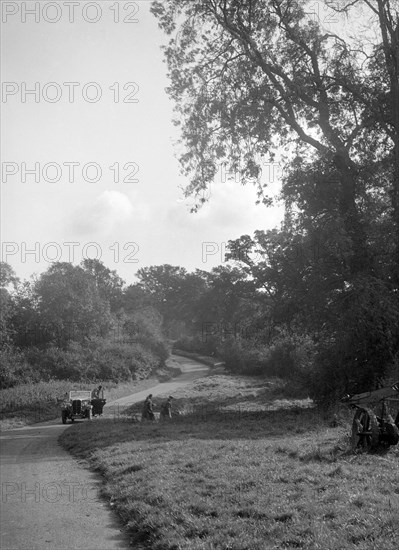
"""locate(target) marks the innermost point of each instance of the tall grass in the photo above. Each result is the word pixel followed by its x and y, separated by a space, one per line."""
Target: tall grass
pixel 30 395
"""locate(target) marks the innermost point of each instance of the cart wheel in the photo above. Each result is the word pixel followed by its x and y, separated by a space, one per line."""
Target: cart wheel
pixel 365 430
pixel 391 431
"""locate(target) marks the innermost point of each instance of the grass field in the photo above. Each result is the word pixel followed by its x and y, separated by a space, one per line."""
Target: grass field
pixel 268 475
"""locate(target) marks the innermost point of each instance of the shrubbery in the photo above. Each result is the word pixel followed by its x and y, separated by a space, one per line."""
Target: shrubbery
pixel 97 360
pixel 120 361
pixel 15 369
pixel 54 363
pixel 145 328
pixel 287 356
pixel 357 350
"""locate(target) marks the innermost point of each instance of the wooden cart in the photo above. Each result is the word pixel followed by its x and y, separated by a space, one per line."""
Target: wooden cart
pixel 373 426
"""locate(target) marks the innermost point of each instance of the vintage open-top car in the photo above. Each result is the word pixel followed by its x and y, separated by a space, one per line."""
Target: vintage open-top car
pixel 81 404
pixel 77 405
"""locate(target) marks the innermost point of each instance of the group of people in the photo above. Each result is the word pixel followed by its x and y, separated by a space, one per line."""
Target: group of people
pixel 148 406
pixel 148 409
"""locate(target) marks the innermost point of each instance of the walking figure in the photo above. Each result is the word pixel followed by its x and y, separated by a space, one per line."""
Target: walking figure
pixel 166 409
pixel 148 413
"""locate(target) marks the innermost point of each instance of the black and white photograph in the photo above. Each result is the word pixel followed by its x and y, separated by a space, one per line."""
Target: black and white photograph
pixel 199 318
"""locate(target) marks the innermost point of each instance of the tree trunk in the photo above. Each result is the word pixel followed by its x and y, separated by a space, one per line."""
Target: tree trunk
pixel 389 25
pixel 360 261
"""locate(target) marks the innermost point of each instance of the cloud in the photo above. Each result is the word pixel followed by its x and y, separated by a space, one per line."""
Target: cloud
pixel 103 215
pixel 231 208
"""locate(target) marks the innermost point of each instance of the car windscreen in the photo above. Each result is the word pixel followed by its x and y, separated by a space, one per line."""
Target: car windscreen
pixel 80 394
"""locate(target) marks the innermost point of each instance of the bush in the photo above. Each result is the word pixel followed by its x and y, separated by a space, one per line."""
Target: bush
pixel 144 329
pixel 287 356
pixel 360 347
pixel 57 363
pixel 14 368
pixel 120 361
pixel 96 360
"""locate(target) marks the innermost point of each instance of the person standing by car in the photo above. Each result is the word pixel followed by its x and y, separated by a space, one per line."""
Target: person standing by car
pixel 148 412
pixel 166 409
pixel 97 393
pixel 97 400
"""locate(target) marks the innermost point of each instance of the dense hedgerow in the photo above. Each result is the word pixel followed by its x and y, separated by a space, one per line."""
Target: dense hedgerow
pixel 97 359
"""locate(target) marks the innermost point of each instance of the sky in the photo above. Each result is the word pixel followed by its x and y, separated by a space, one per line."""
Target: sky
pixel 88 155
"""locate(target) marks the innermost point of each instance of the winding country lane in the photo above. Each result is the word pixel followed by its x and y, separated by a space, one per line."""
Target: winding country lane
pixel 191 370
pixel 50 500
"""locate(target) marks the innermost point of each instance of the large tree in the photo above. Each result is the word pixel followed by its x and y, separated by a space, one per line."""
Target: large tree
pixel 257 82
pixel 108 283
pixel 252 79
pixel 173 292
pixel 70 305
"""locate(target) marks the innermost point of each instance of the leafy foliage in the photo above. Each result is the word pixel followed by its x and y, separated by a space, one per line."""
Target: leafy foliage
pixel 260 82
pixel 69 323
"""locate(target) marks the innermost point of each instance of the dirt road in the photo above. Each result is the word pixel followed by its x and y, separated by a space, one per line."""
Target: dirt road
pixel 190 369
pixel 50 501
